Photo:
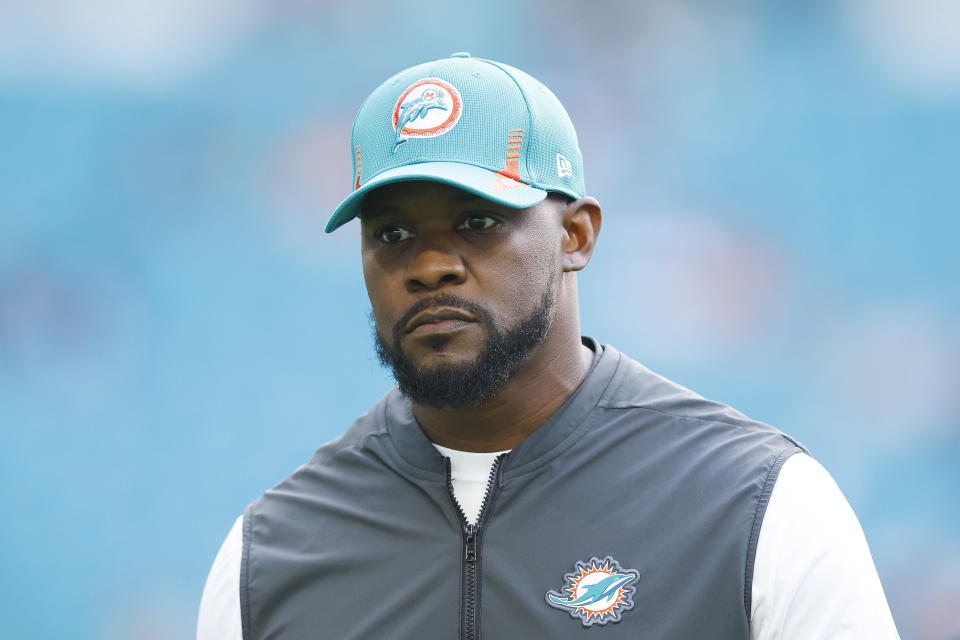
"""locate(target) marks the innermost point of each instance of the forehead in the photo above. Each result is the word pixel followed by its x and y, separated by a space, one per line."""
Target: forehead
pixel 414 195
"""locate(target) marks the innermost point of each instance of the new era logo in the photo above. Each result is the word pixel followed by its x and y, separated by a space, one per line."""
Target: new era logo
pixel 564 167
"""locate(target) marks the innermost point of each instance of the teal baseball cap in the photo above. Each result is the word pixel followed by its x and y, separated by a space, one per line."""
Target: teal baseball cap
pixel 476 124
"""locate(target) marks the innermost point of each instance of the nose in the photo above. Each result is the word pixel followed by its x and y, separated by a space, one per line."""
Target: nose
pixel 434 267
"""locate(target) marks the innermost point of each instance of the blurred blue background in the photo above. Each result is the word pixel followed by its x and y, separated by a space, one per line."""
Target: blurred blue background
pixel 177 334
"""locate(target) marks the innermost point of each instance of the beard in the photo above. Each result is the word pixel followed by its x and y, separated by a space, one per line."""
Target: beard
pixel 465 384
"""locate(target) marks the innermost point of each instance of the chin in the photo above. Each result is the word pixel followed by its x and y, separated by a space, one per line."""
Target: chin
pixel 435 353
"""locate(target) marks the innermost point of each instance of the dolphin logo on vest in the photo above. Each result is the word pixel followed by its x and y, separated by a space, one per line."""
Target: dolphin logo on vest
pixel 597 591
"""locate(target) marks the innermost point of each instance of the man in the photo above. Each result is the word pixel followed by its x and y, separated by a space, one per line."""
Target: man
pixel 523 481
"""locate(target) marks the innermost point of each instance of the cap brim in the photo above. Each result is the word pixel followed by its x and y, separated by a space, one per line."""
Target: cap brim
pixel 477 180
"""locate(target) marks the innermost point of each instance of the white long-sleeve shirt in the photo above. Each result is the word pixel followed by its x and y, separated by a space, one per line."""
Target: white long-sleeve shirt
pixel 813 574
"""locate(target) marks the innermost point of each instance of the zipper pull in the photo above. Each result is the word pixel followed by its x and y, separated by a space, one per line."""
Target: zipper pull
pixel 470 548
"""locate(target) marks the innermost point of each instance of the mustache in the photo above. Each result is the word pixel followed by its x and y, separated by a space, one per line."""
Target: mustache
pixel 440 300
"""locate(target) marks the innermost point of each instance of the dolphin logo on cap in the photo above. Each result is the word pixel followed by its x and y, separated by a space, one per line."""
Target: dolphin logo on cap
pixel 426 109
pixel 418 108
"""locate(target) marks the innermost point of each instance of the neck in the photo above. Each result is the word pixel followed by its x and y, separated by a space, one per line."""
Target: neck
pixel 539 386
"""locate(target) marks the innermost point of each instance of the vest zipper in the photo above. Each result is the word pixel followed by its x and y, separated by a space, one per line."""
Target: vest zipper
pixel 472 535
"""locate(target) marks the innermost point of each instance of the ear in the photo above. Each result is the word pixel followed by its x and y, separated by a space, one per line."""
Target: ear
pixel 581 226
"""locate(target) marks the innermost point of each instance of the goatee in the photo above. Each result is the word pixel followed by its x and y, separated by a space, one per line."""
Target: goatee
pixel 467 384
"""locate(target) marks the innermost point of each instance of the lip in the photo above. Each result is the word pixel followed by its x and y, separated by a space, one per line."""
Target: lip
pixel 438 320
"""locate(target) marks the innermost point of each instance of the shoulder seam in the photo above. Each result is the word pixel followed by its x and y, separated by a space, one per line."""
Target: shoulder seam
pixel 746 423
pixel 380 429
pixel 356 445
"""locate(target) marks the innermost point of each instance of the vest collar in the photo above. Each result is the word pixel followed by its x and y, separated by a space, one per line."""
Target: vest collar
pixel 546 442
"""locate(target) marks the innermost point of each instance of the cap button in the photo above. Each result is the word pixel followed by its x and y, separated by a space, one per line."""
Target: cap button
pixel 460 54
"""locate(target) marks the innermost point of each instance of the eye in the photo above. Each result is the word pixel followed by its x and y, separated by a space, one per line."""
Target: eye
pixel 392 234
pixel 478 222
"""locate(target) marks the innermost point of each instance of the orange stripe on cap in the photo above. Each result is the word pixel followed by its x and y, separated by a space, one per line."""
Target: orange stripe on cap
pixel 514 142
pixel 357 183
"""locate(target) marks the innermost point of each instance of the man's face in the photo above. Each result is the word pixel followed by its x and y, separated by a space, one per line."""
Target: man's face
pixel 462 289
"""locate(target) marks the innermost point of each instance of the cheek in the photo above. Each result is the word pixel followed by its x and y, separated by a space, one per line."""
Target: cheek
pixel 378 291
pixel 522 272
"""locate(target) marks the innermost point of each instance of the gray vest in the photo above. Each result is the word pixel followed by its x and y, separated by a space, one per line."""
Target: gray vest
pixel 635 509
